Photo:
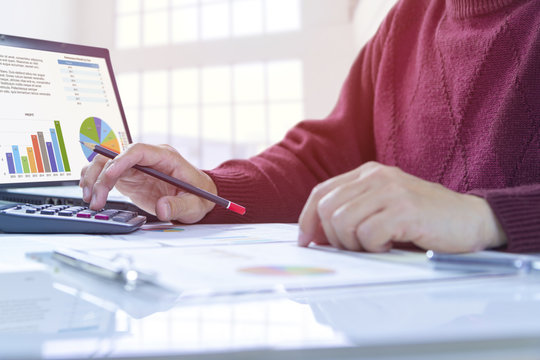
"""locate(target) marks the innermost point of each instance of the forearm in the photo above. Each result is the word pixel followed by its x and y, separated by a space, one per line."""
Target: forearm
pixel 275 184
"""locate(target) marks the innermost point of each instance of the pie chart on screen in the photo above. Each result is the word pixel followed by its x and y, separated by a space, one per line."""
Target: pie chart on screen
pixel 96 131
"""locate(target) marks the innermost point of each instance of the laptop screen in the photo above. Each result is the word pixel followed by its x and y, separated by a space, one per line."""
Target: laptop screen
pixel 53 96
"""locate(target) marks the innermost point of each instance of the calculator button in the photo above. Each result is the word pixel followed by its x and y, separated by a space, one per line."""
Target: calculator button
pixel 124 216
pixel 51 218
pixel 87 214
pixel 110 212
pixel 101 216
pixel 65 213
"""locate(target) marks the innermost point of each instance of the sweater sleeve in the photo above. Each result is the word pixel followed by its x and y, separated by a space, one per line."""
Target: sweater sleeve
pixel 518 211
pixel 274 185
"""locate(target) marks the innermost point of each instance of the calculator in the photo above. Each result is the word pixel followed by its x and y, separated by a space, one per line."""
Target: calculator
pixel 48 218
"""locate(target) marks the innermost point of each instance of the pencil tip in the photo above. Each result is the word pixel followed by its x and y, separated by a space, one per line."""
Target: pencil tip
pixel 88 145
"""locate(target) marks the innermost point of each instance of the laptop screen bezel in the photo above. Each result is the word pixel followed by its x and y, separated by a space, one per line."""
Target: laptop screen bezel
pixel 66 48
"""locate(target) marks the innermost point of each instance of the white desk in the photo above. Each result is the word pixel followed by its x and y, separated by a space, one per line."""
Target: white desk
pixel 73 315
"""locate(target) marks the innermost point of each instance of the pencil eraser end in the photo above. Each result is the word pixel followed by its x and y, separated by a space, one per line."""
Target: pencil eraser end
pixel 237 208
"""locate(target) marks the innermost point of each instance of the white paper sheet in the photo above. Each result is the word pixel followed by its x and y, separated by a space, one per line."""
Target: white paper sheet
pixel 267 267
pixel 88 242
pixel 241 258
pixel 14 247
pixel 212 234
pixel 153 235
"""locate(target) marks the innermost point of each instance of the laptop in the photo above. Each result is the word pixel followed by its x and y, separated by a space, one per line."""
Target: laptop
pixel 53 96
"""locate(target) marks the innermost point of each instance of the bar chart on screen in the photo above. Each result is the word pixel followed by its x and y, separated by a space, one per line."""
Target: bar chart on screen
pixel 34 153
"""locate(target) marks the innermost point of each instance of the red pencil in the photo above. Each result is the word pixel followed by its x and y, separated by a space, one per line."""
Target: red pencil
pixel 173 181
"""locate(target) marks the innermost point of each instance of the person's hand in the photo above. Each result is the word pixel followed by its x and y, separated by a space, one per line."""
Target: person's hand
pixel 375 206
pixel 155 196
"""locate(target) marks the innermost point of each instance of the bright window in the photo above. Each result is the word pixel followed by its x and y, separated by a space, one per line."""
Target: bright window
pixel 210 113
pixel 247 16
pixel 160 22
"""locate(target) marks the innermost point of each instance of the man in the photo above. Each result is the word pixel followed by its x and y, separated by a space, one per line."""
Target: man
pixel 435 140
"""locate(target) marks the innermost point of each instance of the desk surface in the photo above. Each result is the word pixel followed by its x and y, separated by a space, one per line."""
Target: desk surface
pixel 73 315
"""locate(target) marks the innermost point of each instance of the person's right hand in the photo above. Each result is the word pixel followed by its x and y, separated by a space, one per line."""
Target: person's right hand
pixel 155 196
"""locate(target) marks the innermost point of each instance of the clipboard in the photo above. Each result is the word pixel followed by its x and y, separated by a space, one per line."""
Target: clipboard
pixel 119 269
pixel 486 260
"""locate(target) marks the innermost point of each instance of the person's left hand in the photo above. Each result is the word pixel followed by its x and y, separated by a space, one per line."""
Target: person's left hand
pixel 374 206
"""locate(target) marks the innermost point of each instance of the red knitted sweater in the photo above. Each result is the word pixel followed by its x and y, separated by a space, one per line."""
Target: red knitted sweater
pixel 448 91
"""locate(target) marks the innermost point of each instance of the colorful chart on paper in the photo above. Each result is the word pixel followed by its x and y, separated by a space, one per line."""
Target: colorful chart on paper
pixel 96 131
pixel 163 228
pixel 281 270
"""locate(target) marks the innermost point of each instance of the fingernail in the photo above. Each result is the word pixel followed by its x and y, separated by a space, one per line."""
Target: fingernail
pixel 86 193
pixel 167 210
pixel 303 239
pixel 93 201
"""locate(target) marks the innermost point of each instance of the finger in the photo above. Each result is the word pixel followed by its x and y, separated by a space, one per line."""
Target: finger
pixel 347 218
pixel 183 207
pixel 329 235
pixel 374 234
pixel 100 190
pixel 309 221
pixel 342 208
pixel 83 172
pixel 89 175
pixel 310 228
pixel 378 232
pixel 135 154
pixel 113 169
pixel 321 240
pixel 325 212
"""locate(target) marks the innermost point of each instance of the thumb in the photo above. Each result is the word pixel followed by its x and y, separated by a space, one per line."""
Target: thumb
pixel 184 207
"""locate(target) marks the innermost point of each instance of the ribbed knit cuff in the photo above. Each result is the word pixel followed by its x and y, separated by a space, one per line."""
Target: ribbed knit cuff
pixel 462 9
pixel 231 186
pixel 240 182
pixel 518 212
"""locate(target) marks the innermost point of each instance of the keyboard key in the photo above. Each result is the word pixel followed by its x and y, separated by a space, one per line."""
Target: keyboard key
pixel 47 212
